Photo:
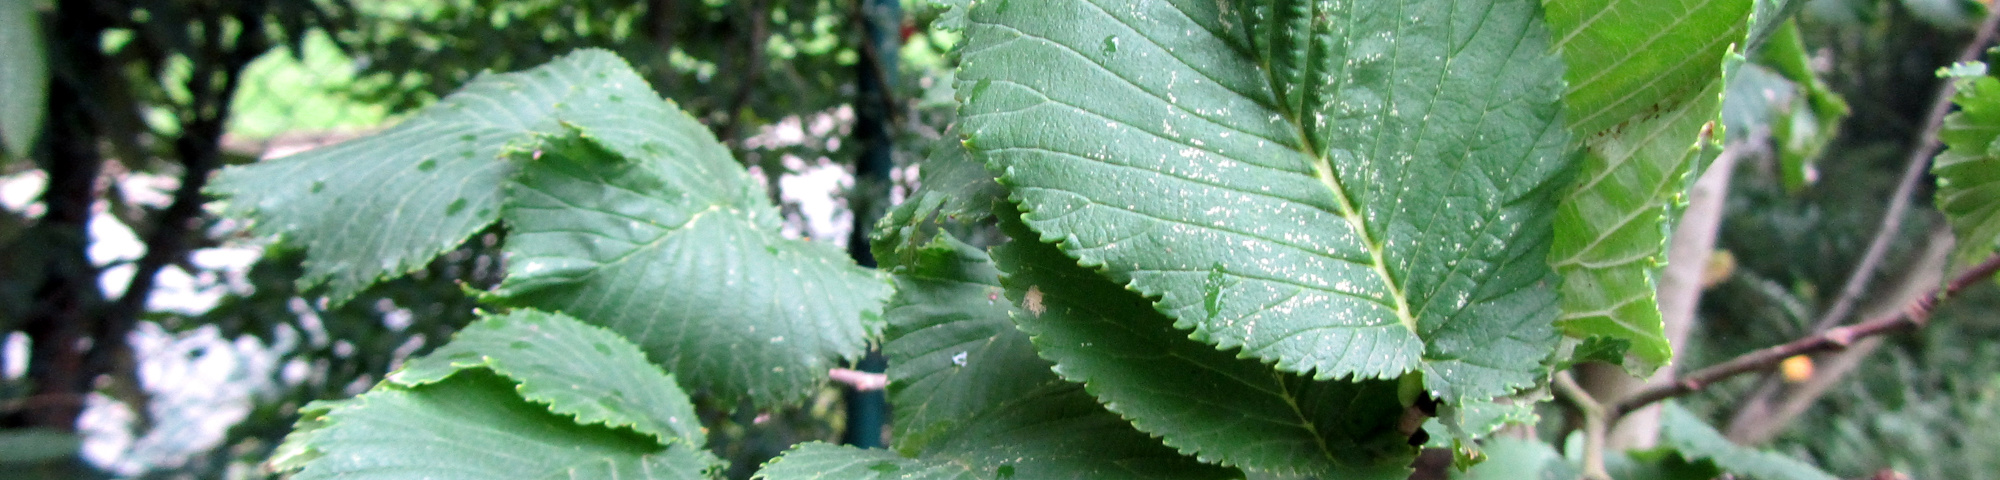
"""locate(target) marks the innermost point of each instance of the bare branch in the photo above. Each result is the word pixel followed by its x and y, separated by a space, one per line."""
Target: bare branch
pixel 1913 315
pixel 1595 425
pixel 861 381
pixel 1926 146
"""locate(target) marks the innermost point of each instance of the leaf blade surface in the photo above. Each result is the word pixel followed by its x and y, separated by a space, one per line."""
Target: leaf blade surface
pixel 702 282
pixel 1329 187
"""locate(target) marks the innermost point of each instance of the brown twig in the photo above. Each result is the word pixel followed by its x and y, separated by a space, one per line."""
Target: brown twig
pixel 1595 424
pixel 1926 145
pixel 1913 315
pixel 863 381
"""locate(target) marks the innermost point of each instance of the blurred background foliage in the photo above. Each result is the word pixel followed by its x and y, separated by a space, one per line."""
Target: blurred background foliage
pixel 149 97
pixel 200 374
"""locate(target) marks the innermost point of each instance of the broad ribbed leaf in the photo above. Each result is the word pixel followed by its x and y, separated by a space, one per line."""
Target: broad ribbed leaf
pixel 576 369
pixel 1347 189
pixel 1696 440
pixel 1205 402
pixel 616 235
pixel 24 76
pixel 472 425
pixel 1968 171
pixel 967 386
pixel 1645 83
pixel 387 203
pixel 953 353
pixel 1635 60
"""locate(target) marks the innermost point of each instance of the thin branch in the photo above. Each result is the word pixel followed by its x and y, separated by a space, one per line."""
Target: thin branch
pixel 1913 315
pixel 859 380
pixel 1595 425
pixel 1926 146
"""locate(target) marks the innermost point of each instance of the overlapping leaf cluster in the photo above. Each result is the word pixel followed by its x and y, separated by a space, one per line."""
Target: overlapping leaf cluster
pixel 1271 233
pixel 622 213
pixel 1183 239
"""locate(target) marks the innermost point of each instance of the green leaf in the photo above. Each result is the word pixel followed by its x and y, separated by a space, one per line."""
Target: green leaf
pixel 1517 459
pixel 968 389
pixel 820 461
pixel 472 425
pixel 1768 20
pixel 24 76
pixel 23 446
pixel 576 369
pixel 1357 190
pixel 1476 420
pixel 1968 172
pixel 1648 84
pixel 618 234
pixel 1206 402
pixel 522 395
pixel 968 190
pixel 387 203
pixel 1696 440
pixel 1781 95
pixel 1054 432
pixel 953 352
pixel 1638 59
pixel 1656 464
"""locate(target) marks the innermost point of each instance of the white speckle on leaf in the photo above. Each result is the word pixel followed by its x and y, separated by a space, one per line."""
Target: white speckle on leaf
pixel 958 359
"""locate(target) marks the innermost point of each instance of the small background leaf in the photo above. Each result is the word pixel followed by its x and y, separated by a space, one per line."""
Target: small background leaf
pixel 1968 171
pixel 1696 440
pixel 24 77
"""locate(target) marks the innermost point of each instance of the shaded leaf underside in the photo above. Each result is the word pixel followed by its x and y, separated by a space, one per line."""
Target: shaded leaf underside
pixel 1206 402
pixel 1648 80
pixel 971 398
pixel 1358 189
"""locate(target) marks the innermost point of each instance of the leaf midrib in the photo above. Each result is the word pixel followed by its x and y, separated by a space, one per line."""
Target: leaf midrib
pixel 1324 172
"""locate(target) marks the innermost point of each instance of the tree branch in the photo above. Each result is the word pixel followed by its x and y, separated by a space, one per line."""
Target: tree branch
pixel 1925 146
pixel 859 380
pixel 1913 315
pixel 1595 425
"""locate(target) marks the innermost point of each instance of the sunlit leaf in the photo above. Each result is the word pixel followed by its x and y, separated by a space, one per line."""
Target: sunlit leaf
pixel 1644 84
